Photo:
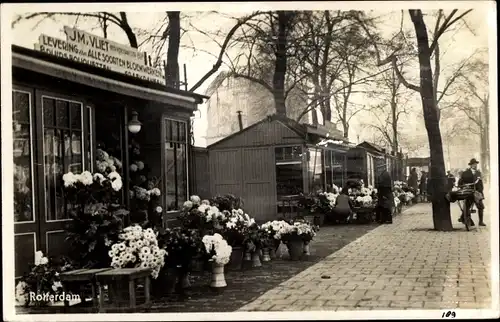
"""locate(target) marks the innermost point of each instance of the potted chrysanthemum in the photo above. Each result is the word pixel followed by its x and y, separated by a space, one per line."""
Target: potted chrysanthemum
pixel 219 253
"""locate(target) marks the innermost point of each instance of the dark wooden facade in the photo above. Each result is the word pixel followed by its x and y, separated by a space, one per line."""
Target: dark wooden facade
pixel 367 161
pixel 246 163
pixel 103 101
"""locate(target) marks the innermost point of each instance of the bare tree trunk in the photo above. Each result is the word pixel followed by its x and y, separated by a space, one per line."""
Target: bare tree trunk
pixel 284 18
pixel 174 38
pixel 314 116
pixel 437 180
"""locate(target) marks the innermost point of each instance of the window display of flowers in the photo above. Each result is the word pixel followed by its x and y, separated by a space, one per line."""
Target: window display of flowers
pixel 138 247
pixel 43 278
pixel 217 248
pixel 96 215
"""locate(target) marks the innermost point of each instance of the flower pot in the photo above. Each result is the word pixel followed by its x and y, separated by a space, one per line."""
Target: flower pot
pixel 295 249
pixel 218 278
pixel 256 258
pixel 236 260
pixel 265 255
pixel 184 280
pixel 272 253
pixel 306 248
pixel 247 257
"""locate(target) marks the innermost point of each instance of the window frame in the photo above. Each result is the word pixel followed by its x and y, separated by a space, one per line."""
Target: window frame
pixel 85 146
pixel 164 141
pixel 32 123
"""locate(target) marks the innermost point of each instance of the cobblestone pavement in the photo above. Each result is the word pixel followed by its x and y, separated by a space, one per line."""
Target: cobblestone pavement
pixel 405 265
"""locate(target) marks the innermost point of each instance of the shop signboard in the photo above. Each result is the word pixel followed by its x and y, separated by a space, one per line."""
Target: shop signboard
pixel 96 51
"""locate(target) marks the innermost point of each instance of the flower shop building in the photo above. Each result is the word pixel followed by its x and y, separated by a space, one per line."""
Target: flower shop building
pixel 70 116
pixel 367 161
pixel 274 160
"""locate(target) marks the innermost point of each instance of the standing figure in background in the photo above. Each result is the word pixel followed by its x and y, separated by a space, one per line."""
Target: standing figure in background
pixel 423 185
pixel 385 198
pixel 413 180
pixel 469 176
pixel 451 180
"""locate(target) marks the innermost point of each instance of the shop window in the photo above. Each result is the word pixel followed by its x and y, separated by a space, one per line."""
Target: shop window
pixel 315 168
pixel 64 149
pixel 289 176
pixel 176 166
pixel 23 157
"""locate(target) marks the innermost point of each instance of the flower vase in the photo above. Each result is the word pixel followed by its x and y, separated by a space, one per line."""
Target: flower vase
pixel 306 248
pixel 295 249
pixel 256 258
pixel 265 255
pixel 236 260
pixel 218 278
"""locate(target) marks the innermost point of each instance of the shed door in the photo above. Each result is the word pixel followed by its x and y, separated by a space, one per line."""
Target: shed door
pixel 226 172
pixel 259 182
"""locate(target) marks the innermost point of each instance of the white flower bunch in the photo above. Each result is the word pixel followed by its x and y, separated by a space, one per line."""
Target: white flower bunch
pixel 21 294
pixel 365 200
pixel 409 196
pixel 40 259
pixel 218 244
pixel 86 178
pixel 138 247
pixel 106 162
pixel 332 198
pixel 396 201
pixel 303 228
pixel 282 228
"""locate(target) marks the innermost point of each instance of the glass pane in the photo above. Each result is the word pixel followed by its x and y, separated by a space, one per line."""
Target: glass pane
pixel 55 205
pixel 182 132
pixel 181 175
pixel 73 152
pixel 175 131
pixel 315 169
pixel 168 129
pixel 23 187
pixel 48 111
pixel 278 154
pixel 170 177
pixel 76 115
pixel 62 113
pixel 21 107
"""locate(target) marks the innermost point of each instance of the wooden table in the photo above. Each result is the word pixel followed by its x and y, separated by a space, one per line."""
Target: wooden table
pixel 116 278
pixel 81 276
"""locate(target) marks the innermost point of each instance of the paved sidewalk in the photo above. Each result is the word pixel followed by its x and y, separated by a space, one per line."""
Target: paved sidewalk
pixel 405 265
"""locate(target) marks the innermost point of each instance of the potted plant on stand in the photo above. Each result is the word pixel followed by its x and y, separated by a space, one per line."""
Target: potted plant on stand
pixel 219 253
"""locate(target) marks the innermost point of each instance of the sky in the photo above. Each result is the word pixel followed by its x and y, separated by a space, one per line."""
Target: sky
pixel 455 45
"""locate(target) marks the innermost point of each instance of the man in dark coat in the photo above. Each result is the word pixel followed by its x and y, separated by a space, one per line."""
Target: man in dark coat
pixel 385 197
pixel 413 179
pixel 470 175
pixel 451 180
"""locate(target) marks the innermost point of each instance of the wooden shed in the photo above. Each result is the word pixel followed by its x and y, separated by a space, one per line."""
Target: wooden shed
pixel 276 158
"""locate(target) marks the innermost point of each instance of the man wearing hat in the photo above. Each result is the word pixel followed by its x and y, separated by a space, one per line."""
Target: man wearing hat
pixel 470 175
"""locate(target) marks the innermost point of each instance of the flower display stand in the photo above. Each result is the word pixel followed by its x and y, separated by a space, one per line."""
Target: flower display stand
pixel 123 289
pixel 266 255
pixel 81 278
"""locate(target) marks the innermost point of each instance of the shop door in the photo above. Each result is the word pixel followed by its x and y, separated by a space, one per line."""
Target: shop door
pixel 53 132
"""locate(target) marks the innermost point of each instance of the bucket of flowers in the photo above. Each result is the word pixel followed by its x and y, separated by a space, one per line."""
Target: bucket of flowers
pixel 325 203
pixel 182 246
pixel 198 214
pixel 235 228
pixel 274 229
pixel 218 253
pixel 296 235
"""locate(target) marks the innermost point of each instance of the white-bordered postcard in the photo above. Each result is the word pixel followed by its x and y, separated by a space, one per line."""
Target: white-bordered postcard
pixel 249 160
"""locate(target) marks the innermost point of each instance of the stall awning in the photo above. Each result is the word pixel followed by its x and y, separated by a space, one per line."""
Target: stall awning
pixel 50 67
